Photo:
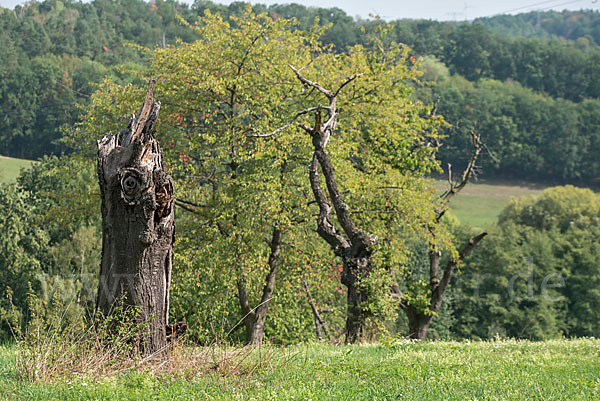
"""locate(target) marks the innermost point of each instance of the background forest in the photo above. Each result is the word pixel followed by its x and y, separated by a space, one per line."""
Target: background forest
pixel 528 84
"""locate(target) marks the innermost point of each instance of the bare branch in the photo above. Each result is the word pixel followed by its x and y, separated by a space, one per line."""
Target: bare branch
pixel 330 95
pixel 342 210
pixel 324 226
pixel 185 207
pixel 320 136
pixel 434 108
pixel 438 294
pixel 320 324
pixel 278 130
pixel 187 202
pixel 306 128
pixel 391 187
pixel 309 63
pixel 348 80
pixel 491 154
pixel 315 85
pixel 469 172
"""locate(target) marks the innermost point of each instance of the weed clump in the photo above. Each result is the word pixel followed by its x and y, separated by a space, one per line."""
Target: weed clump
pixel 52 348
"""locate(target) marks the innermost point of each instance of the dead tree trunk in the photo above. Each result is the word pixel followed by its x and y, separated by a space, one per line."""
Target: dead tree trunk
pixel 138 226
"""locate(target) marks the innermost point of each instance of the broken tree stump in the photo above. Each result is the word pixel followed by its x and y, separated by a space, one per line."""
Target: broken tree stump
pixel 138 226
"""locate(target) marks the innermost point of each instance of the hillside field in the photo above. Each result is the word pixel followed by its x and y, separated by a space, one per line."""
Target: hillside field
pixel 10 168
pixel 480 203
pixel 396 370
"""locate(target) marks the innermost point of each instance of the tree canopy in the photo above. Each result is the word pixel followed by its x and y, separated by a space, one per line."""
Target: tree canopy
pixel 528 278
pixel 57 52
pixel 241 166
pixel 247 108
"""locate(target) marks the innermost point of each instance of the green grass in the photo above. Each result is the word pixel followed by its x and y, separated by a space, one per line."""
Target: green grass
pixel 480 203
pixel 10 168
pixel 497 370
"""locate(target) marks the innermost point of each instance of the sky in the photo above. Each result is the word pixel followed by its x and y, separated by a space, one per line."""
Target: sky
pixel 428 9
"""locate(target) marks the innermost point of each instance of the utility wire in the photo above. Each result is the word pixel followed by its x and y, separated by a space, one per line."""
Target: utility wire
pixel 529 6
pixel 561 4
pixel 540 3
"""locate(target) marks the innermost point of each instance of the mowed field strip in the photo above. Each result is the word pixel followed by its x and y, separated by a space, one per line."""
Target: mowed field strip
pixel 11 167
pixel 393 370
pixel 479 203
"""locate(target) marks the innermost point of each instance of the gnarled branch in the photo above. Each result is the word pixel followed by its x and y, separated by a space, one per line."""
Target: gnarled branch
pixel 469 172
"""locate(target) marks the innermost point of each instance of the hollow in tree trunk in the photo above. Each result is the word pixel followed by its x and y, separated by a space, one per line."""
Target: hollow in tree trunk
pixel 138 226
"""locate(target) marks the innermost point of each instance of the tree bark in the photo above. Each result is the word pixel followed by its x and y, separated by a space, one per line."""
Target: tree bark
pixel 355 269
pixel 418 323
pixel 138 226
pixel 354 250
pixel 352 245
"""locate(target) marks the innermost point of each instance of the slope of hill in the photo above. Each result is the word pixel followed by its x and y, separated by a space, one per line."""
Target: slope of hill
pixel 535 94
pixel 480 203
pixel 10 168
pixel 582 26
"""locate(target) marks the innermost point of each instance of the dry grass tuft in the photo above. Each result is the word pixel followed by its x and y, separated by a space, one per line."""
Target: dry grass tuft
pixel 187 361
pixel 50 361
pixel 52 349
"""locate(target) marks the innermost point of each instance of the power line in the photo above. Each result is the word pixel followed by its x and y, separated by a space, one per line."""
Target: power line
pixel 561 4
pixel 540 3
pixel 531 5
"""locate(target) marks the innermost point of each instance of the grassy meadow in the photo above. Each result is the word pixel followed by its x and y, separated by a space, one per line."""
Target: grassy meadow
pixel 479 203
pixel 392 370
pixel 10 168
pixel 399 370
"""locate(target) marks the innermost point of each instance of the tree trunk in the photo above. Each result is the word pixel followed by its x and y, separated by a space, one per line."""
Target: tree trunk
pixel 320 325
pixel 350 243
pixel 356 269
pixel 138 226
pixel 418 323
pixel 254 319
